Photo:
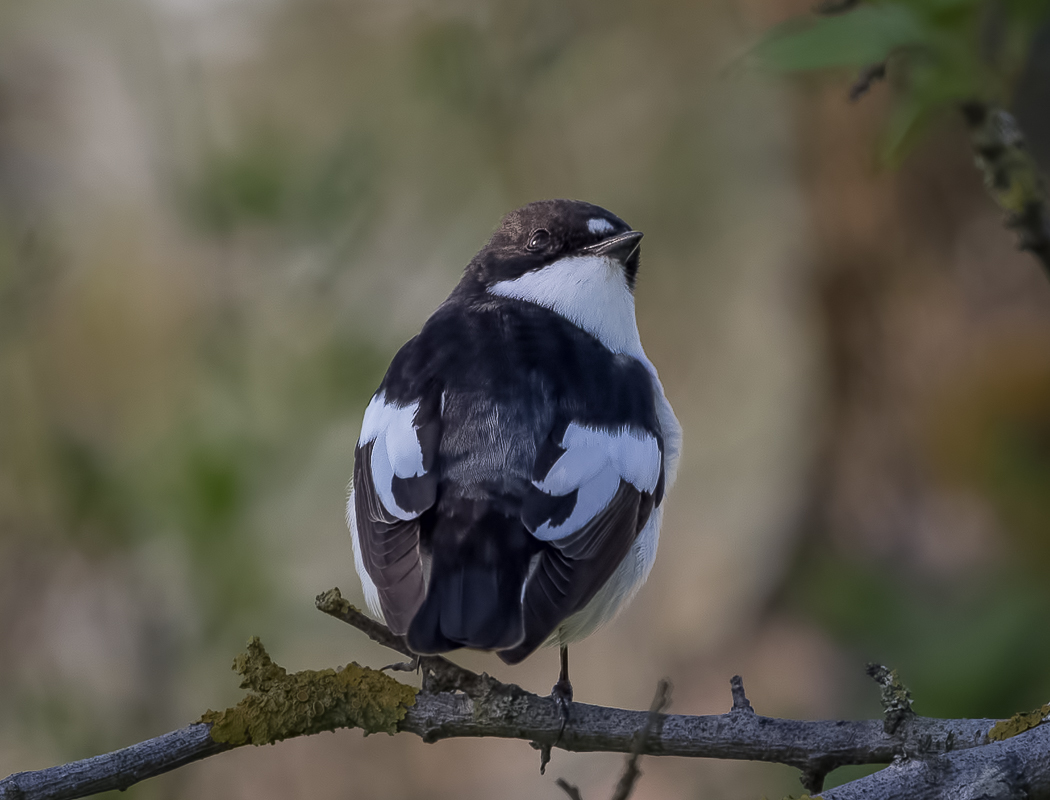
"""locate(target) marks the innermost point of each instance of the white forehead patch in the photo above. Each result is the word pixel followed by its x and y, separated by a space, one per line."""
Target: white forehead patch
pixel 599 225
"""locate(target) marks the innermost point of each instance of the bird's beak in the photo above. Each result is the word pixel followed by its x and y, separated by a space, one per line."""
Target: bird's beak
pixel 620 247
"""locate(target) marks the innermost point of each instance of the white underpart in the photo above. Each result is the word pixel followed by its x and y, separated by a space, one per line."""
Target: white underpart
pixel 396 450
pixel 593 464
pixel 638 563
pixel 589 291
pixel 367 584
pixel 618 590
pixel 597 225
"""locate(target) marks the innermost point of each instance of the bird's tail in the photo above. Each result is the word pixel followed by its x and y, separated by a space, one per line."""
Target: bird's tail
pixel 474 593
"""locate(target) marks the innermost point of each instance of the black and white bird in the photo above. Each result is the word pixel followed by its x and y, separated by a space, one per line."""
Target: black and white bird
pixel 510 474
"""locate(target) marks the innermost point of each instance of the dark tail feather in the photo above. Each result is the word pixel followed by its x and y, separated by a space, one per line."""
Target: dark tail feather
pixel 469 606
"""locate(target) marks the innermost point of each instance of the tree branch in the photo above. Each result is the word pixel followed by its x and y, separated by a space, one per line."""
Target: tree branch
pixel 117 770
pixel 1009 770
pixel 484 707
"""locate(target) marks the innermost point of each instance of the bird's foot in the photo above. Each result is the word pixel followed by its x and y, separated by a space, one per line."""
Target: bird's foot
pixel 403 666
pixel 561 694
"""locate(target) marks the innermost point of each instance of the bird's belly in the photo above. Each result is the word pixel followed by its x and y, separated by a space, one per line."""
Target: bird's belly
pixel 618 591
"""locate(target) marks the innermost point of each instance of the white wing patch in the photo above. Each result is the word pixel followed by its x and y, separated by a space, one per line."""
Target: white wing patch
pixel 589 291
pixel 598 225
pixel 396 450
pixel 594 463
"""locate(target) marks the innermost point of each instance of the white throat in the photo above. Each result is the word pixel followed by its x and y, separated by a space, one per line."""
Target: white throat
pixel 590 292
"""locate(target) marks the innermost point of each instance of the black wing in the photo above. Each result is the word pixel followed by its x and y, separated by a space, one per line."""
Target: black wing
pixel 596 478
pixel 572 569
pixel 395 483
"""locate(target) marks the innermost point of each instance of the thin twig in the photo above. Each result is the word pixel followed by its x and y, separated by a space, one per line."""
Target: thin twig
pixel 867 76
pixel 896 699
pixel 439 673
pixel 569 789
pixel 740 701
pixel 631 772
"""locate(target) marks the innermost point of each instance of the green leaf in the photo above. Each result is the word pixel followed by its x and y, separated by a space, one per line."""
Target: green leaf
pixel 864 36
pixel 908 121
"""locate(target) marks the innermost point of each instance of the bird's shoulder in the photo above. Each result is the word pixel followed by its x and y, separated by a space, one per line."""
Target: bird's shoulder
pixel 511 349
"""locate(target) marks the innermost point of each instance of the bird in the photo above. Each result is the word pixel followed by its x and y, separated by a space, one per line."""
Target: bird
pixel 510 474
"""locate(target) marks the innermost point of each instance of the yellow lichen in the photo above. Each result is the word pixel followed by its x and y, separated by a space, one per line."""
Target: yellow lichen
pixel 1018 723
pixel 333 602
pixel 281 705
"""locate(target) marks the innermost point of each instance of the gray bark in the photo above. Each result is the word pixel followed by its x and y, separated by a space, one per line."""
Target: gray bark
pixel 1010 770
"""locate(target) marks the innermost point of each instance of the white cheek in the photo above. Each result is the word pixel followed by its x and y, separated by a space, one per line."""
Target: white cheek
pixel 589 291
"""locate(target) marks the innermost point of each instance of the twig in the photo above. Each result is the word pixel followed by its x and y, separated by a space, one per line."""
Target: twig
pixel 569 789
pixel 1011 176
pixel 740 701
pixel 896 699
pixel 439 674
pixel 867 76
pixel 117 770
pixel 631 772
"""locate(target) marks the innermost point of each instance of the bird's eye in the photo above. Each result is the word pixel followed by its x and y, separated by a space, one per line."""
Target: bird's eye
pixel 540 239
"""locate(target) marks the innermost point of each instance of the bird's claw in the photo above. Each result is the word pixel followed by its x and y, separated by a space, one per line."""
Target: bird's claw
pixel 403 666
pixel 561 694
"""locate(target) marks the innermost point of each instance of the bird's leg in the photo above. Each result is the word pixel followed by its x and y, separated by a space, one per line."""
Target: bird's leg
pixel 561 692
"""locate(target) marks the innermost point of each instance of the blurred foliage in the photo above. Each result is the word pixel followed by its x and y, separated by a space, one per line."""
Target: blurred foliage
pixel 964 649
pixel 989 433
pixel 247 185
pixel 264 182
pixel 941 53
pixel 99 503
pixel 452 64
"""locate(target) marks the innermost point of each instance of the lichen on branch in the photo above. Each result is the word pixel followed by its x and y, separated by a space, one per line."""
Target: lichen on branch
pixel 280 705
pixel 1018 723
pixel 896 699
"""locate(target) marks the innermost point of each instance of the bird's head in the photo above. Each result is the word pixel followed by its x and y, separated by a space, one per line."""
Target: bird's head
pixel 550 234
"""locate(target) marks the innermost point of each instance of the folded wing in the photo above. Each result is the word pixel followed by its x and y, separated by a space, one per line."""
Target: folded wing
pixel 593 490
pixel 395 482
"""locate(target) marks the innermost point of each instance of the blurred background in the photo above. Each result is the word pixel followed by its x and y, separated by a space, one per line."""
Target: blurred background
pixel 219 219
